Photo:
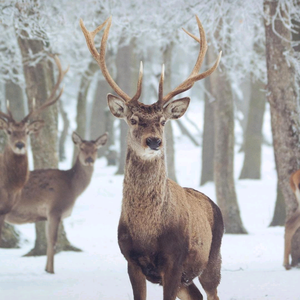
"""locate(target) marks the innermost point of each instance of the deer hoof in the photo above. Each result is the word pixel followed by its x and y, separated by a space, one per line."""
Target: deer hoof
pixel 287 266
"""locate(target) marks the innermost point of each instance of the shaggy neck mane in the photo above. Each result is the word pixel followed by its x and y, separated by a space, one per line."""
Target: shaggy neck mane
pixel 145 180
pixel 16 169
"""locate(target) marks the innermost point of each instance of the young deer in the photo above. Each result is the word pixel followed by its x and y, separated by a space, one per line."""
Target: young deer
pixel 14 170
pixel 50 194
pixel 168 234
pixel 293 223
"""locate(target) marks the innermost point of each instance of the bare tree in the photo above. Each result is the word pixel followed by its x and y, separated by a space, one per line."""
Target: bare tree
pixel 282 96
pixel 224 153
pixel 253 133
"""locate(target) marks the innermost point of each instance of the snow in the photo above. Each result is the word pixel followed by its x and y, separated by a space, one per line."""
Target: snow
pixel 252 264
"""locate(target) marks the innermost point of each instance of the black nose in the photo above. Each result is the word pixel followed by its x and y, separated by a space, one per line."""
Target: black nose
pixel 20 145
pixel 153 143
pixel 89 160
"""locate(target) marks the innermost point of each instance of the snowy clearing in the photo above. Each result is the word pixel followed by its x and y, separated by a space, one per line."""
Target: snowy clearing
pixel 252 264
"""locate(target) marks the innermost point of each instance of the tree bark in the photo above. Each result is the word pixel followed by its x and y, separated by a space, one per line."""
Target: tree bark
pixel 39 81
pixel 224 153
pixel 169 137
pixel 64 133
pixel 101 118
pixel 253 134
pixel 82 102
pixel 208 141
pixel 282 96
pixel 124 80
pixel 279 211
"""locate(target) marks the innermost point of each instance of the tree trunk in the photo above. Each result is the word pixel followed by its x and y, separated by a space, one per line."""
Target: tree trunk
pixel 81 118
pixel 101 118
pixel 64 133
pixel 169 137
pixel 224 153
pixel 282 96
pixel 208 141
pixel 253 134
pixel 124 80
pixel 14 93
pixel 279 211
pixel 39 81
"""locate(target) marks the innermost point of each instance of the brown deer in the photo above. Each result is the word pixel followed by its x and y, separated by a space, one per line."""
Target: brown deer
pixel 293 222
pixel 50 194
pixel 168 234
pixel 14 170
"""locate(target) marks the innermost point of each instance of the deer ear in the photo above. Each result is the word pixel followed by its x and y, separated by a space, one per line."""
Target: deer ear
pixel 177 108
pixel 101 140
pixel 3 124
pixel 117 106
pixel 35 127
pixel 77 140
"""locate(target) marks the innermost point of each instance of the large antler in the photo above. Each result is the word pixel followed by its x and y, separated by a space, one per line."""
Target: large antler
pixel 100 59
pixel 52 98
pixel 8 116
pixel 194 76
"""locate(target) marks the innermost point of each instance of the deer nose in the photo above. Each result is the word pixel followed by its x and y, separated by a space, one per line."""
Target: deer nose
pixel 153 143
pixel 89 160
pixel 20 145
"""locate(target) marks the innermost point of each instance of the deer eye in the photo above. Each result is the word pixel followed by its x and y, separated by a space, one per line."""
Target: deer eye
pixel 9 132
pixel 163 123
pixel 133 121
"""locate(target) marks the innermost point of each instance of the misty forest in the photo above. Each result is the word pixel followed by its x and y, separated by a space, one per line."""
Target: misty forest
pixel 238 142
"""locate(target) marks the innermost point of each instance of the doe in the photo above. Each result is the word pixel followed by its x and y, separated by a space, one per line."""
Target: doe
pixel 50 194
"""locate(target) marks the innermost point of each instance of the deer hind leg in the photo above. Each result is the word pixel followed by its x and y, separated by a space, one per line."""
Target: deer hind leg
pixel 211 277
pixel 138 281
pixel 291 227
pixel 190 292
pixel 52 232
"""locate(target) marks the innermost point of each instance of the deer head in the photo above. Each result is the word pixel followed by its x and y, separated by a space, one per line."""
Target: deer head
pixel 88 149
pixel 146 122
pixel 17 132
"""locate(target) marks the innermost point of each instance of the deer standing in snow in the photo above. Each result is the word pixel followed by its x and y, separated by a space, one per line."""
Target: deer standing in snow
pixel 168 234
pixel 14 170
pixel 50 194
pixel 293 222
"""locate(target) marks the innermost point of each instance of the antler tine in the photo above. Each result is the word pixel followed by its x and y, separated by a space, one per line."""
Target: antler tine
pixel 8 109
pixel 161 84
pixel 103 67
pixel 90 36
pixel 194 76
pixel 139 85
pixel 51 99
pixel 100 57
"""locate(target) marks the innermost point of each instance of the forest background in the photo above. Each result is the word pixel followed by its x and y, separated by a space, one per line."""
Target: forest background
pixel 258 79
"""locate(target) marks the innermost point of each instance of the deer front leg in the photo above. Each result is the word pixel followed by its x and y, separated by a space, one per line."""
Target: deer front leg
pixel 138 281
pixel 52 232
pixel 291 227
pixel 171 281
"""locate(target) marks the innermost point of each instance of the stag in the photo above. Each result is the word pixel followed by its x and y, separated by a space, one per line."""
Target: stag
pixel 50 194
pixel 14 160
pixel 168 234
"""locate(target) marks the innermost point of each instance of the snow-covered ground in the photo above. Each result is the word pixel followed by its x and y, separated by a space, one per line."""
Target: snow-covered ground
pixel 252 264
